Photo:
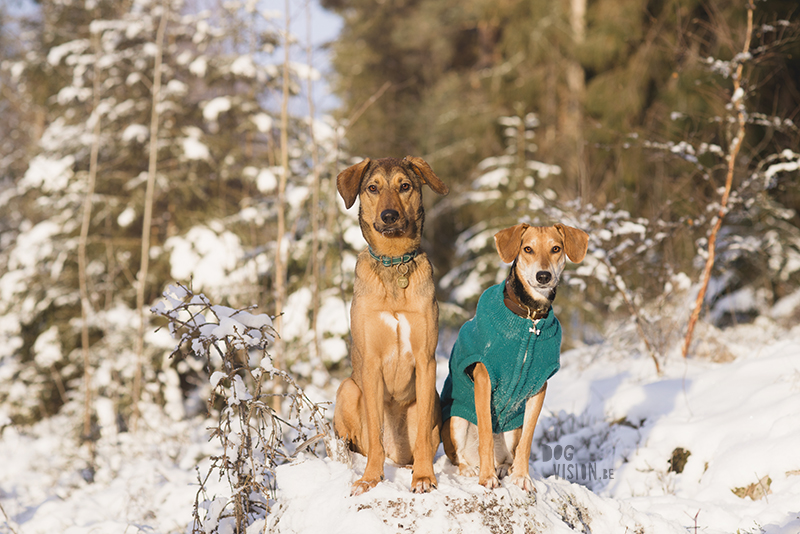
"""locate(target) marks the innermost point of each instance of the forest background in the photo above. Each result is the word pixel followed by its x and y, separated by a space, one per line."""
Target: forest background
pixel 148 143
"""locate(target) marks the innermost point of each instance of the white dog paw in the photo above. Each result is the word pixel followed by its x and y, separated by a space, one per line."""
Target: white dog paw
pixel 490 482
pixel 524 483
pixel 467 470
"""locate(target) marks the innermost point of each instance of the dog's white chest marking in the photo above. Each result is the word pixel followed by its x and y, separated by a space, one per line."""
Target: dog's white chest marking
pixel 389 319
pixel 404 334
pixel 398 360
pixel 400 325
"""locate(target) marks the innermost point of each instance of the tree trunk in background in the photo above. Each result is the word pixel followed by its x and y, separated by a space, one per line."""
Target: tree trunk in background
pixel 315 207
pixel 576 89
pixel 148 216
pixel 86 304
pixel 550 108
pixel 280 267
pixel 488 32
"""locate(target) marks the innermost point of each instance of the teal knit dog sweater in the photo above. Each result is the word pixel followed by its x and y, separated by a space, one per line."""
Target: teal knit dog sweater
pixel 520 358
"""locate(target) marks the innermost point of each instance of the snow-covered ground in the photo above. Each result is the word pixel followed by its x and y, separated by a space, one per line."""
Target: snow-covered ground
pixel 633 452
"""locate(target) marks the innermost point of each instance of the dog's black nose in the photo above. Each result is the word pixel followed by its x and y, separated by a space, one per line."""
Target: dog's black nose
pixel 389 216
pixel 543 277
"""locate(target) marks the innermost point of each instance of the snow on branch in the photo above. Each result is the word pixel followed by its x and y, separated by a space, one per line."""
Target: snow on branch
pixel 253 436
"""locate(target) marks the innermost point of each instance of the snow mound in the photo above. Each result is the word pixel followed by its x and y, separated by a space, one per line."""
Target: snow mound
pixel 314 496
pixel 143 482
pixel 707 445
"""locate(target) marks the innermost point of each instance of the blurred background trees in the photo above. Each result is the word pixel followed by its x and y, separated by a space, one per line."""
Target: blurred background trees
pixel 632 102
pixel 615 116
pixel 76 74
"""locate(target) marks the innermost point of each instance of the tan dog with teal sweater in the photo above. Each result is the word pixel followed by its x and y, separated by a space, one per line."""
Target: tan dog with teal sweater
pixel 504 356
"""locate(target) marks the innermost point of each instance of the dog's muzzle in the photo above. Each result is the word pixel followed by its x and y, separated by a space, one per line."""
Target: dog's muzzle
pixel 392 225
pixel 545 284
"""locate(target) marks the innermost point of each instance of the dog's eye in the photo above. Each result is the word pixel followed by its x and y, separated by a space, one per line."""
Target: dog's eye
pixel 372 188
pixel 556 249
pixel 528 250
pixel 405 186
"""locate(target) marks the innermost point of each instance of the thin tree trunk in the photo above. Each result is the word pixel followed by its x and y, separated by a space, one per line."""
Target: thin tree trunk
pixel 315 207
pixel 520 142
pixel 111 266
pixel 86 304
pixel 148 215
pixel 576 89
pixel 736 145
pixel 280 268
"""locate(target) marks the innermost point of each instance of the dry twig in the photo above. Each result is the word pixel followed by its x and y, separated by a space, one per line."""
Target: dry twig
pixel 148 213
pixel 736 145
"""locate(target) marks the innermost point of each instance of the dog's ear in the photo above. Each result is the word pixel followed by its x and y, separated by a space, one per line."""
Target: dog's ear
pixel 349 182
pixel 509 241
pixel 576 242
pixel 426 174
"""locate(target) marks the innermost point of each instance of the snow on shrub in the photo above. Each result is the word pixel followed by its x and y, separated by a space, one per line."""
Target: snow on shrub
pixel 254 434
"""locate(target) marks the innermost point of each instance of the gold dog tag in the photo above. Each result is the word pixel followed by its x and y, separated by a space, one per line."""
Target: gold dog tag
pixel 402 280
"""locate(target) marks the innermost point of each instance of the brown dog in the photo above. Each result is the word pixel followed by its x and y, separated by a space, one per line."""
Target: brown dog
pixel 389 406
pixel 504 356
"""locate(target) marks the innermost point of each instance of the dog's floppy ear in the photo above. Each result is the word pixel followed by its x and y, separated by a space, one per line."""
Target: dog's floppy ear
pixel 509 241
pixel 576 242
pixel 349 182
pixel 426 174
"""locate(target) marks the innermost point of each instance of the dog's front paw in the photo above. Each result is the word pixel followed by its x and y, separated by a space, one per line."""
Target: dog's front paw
pixel 466 470
pixel 362 486
pixel 489 482
pixel 524 483
pixel 423 484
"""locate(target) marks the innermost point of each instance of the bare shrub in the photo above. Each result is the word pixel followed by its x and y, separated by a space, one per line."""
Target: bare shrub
pixel 253 436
